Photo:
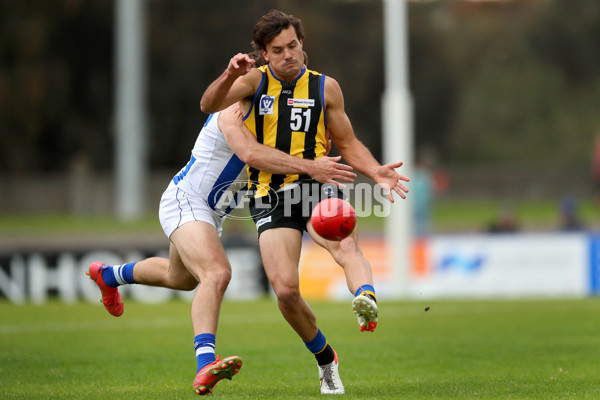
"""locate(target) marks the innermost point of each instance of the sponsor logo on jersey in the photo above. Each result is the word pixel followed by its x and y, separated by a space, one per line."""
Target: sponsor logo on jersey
pixel 301 102
pixel 263 221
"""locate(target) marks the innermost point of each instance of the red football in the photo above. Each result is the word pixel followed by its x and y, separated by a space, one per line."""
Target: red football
pixel 333 219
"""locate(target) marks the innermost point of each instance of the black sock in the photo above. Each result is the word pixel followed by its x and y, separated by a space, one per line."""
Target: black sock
pixel 326 356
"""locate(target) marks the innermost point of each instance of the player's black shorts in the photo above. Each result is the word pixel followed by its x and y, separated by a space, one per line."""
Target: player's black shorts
pixel 292 207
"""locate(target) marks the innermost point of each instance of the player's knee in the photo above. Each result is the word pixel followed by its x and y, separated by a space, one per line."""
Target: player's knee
pixel 345 250
pixel 287 295
pixel 349 245
pixel 218 277
pixel 212 272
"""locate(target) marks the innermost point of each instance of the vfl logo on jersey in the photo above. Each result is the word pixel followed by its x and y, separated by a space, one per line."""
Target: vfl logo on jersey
pixel 301 102
pixel 266 105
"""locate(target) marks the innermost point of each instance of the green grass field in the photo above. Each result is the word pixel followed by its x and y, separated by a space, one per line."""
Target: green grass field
pixel 545 349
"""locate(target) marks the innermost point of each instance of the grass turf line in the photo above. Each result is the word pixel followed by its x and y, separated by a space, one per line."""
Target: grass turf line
pixel 526 349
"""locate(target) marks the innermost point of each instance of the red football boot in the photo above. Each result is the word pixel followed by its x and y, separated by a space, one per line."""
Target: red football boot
pixel 112 300
pixel 212 373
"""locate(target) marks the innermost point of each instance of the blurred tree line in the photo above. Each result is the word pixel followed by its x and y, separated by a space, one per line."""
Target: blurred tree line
pixel 502 83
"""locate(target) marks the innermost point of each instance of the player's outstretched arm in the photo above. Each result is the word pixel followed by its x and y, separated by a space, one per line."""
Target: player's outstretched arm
pixel 265 158
pixel 227 88
pixel 387 177
pixel 353 150
pixel 356 154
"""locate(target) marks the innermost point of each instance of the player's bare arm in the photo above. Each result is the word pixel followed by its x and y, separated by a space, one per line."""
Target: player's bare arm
pixel 353 150
pixel 238 81
pixel 244 144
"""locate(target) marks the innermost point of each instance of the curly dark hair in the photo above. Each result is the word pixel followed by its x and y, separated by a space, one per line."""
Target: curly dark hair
pixel 271 24
pixel 258 58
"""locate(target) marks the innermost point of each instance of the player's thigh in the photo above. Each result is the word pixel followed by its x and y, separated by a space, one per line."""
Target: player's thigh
pixel 280 251
pixel 199 248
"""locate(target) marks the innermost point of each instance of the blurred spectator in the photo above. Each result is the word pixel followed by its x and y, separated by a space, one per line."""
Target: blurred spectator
pixel 569 217
pixel 506 221
pixel 422 188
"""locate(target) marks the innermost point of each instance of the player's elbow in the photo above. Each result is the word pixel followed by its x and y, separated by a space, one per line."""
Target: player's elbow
pixel 206 107
pixel 248 157
pixel 242 151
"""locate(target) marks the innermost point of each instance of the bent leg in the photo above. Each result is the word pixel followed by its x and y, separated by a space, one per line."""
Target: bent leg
pixel 359 278
pixel 348 255
pixel 169 273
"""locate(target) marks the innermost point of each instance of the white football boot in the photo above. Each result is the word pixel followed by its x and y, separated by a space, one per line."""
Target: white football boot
pixel 330 377
pixel 365 308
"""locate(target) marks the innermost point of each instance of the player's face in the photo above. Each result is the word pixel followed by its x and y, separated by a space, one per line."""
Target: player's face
pixel 284 54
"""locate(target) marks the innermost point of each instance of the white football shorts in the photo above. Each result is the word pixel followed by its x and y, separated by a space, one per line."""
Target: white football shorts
pixel 178 207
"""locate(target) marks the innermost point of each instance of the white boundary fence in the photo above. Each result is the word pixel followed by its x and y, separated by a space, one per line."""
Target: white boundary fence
pixel 450 266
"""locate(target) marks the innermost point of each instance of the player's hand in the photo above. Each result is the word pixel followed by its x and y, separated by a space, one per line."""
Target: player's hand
pixel 240 64
pixel 387 177
pixel 328 169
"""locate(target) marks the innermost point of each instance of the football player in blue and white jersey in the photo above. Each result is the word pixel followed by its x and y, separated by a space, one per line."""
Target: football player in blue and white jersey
pixel 192 210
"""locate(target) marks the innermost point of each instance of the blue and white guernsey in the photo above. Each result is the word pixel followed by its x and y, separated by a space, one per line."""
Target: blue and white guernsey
pixel 214 172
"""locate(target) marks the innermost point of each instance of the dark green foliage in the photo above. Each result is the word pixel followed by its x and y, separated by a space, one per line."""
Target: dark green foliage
pixel 515 82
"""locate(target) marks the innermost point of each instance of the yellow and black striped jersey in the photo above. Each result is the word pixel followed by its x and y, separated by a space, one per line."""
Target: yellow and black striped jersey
pixel 288 116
